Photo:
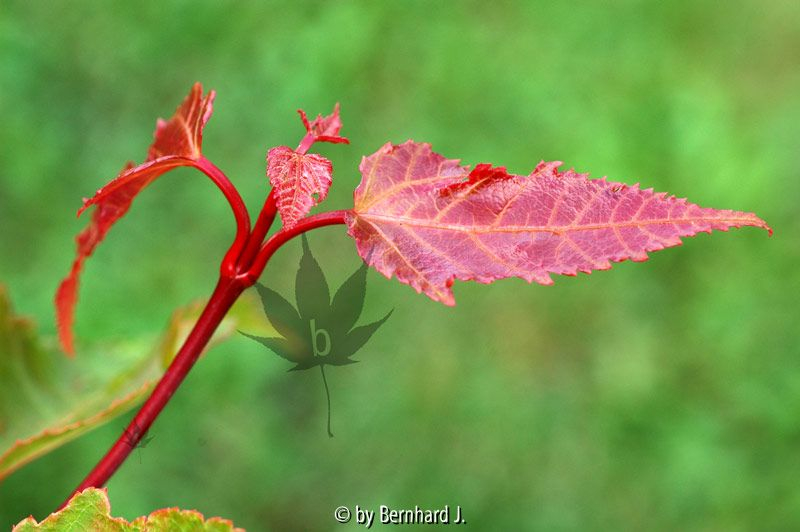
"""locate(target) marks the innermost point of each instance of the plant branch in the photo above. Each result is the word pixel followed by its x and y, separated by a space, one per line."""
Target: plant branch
pixel 225 294
pixel 228 289
pixel 239 212
pixel 256 238
pixel 284 235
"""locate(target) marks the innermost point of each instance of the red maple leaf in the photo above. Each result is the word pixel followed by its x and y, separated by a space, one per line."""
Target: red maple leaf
pixel 301 180
pixel 428 220
pixel 177 142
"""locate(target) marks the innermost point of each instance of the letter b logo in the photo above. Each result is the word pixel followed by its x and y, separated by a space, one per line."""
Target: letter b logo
pixel 315 338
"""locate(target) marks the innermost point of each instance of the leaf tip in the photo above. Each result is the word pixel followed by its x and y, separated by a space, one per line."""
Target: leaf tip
pixel 304 118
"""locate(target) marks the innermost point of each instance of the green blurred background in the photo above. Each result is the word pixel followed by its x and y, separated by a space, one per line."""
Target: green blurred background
pixel 663 395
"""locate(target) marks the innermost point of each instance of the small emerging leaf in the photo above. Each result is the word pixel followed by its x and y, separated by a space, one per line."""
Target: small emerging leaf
pixel 428 220
pixel 90 510
pixel 177 142
pixel 301 180
pixel 325 128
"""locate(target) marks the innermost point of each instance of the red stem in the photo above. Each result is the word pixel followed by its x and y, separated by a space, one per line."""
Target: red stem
pixel 225 294
pixel 228 289
pixel 263 223
pixel 306 142
pixel 228 267
pixel 284 235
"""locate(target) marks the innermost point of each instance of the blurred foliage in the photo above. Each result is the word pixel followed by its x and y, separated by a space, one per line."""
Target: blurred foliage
pixel 47 399
pixel 663 395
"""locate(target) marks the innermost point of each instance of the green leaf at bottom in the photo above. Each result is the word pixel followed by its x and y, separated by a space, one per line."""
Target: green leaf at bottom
pixel 90 510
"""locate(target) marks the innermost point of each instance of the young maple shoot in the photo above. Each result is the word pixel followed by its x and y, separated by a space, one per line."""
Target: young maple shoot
pixel 417 216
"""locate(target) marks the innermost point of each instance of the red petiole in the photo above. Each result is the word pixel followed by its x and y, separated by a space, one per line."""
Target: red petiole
pixel 284 235
pixel 239 212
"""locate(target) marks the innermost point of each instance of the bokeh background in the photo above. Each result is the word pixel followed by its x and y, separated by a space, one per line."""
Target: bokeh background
pixel 662 395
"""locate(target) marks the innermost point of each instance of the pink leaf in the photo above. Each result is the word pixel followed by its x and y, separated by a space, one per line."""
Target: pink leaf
pixel 324 128
pixel 177 142
pixel 300 181
pixel 428 220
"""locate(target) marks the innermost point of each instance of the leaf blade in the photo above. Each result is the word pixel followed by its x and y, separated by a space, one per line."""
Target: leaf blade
pixel 177 142
pixel 300 181
pixel 325 128
pixel 428 220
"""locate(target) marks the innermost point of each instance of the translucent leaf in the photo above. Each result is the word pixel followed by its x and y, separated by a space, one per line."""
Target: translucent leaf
pixel 324 128
pixel 300 180
pixel 177 142
pixel 428 220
